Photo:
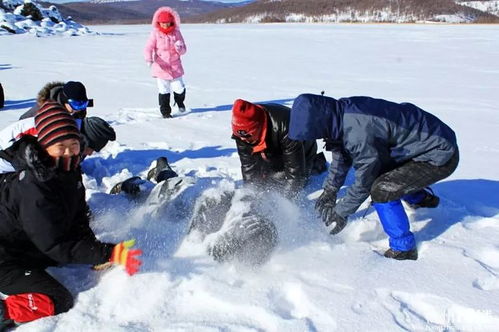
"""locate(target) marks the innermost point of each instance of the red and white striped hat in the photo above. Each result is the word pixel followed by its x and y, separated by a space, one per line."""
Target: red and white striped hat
pixel 54 124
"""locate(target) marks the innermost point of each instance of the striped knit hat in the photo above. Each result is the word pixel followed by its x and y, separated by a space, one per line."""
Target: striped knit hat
pixel 54 124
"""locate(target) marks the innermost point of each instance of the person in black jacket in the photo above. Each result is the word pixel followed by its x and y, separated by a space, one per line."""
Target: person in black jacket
pixel 44 220
pixel 269 158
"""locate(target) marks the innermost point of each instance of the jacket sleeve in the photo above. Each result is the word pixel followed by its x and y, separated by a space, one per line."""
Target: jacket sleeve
pixel 340 165
pixel 294 163
pixel 367 165
pixel 179 43
pixel 15 131
pixel 150 48
pixel 45 222
pixel 250 165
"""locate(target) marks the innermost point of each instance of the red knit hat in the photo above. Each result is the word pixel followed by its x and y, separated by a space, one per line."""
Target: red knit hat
pixel 247 118
pixel 165 17
pixel 54 124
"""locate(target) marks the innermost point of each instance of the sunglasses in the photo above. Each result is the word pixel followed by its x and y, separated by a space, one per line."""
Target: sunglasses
pixel 168 24
pixel 78 105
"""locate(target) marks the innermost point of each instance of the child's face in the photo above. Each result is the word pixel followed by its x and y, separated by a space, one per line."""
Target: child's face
pixel 165 25
pixel 68 147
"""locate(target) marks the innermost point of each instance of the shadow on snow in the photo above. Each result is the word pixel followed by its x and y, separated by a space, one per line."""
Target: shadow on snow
pixel 137 161
pixel 459 199
pixel 229 106
pixel 18 104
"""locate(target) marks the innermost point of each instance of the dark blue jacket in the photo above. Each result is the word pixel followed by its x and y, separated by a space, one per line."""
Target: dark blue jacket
pixel 372 135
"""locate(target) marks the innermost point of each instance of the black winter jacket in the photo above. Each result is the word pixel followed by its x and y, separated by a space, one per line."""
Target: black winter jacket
pixel 43 213
pixel 294 158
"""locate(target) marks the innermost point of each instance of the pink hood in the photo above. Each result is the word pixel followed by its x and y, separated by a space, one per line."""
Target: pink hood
pixel 169 10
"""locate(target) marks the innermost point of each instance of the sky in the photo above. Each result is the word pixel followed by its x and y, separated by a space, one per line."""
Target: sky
pixel 312 281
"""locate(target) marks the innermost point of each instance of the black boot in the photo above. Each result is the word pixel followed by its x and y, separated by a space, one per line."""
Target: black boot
pixel 130 186
pixel 402 255
pixel 179 100
pixel 164 105
pixel 429 200
pixel 161 171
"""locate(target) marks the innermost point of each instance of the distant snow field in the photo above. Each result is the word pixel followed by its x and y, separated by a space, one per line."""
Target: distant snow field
pixel 313 281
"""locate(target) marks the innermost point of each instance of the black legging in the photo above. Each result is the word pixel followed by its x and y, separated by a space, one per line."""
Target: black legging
pixel 409 178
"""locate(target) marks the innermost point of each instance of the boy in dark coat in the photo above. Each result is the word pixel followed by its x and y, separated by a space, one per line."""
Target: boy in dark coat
pixel 268 156
pixel 44 220
pixel 397 150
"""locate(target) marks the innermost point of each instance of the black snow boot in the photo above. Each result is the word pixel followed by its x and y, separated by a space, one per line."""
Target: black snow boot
pixel 179 100
pixel 164 105
pixel 430 200
pixel 402 255
pixel 161 171
pixel 130 186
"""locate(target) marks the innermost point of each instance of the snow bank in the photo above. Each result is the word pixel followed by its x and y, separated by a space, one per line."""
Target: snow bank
pixel 30 17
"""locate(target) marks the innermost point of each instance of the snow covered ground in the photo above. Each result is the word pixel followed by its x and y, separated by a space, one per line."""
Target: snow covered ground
pixel 313 282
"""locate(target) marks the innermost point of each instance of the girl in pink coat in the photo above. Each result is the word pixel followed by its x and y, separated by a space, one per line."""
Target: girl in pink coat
pixel 162 53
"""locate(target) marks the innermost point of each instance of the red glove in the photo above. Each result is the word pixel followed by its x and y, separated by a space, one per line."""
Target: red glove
pixel 122 255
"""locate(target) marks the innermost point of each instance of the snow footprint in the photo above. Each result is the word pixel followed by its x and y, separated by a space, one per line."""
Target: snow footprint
pixel 293 302
pixel 423 311
pixel 127 115
pixel 488 257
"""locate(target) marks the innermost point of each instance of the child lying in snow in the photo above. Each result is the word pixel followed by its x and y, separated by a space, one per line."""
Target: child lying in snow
pixel 229 222
pixel 238 232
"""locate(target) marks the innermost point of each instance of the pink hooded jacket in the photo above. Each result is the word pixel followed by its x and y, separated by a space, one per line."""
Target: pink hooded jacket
pixel 164 50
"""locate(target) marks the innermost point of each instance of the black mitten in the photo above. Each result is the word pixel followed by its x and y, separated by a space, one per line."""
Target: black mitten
pixel 339 222
pixel 325 203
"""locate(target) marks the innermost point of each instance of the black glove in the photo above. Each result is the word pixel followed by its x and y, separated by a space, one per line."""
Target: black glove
pixel 339 221
pixel 325 204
